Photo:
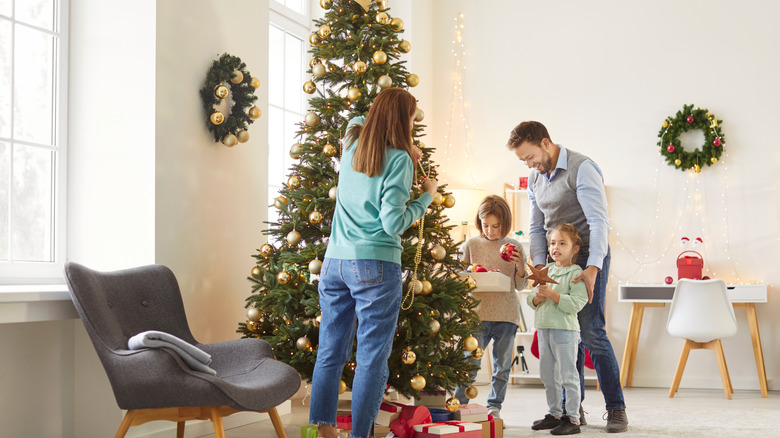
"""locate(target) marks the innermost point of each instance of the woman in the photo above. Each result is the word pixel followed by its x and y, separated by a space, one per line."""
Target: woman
pixel 360 281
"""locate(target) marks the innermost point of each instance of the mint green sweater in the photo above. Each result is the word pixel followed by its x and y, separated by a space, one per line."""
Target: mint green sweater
pixel 372 212
pixel 573 298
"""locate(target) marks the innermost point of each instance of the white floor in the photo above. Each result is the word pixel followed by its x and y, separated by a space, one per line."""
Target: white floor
pixel 651 413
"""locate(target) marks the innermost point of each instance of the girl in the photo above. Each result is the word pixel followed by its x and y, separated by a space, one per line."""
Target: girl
pixel 499 311
pixel 360 281
pixel 556 309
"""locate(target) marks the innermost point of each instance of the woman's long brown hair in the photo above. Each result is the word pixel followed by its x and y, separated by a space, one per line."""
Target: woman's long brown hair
pixel 388 124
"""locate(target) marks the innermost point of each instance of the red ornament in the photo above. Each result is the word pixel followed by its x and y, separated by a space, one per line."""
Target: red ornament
pixel 507 250
pixel 706 277
pixel 668 280
pixel 716 142
pixel 670 148
pixel 480 269
pixel 689 119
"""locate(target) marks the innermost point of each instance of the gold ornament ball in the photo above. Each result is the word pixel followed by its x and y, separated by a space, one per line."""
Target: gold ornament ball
pixel 221 91
pixel 254 83
pixel 419 115
pixel 318 71
pixel 253 314
pixel 470 282
pixel 665 124
pixel 408 357
pixel 332 193
pixel 382 4
pixel 677 162
pixel 477 353
pixel 309 87
pixel 713 160
pixel 242 136
pixel 296 151
pixel 470 343
pixel 315 217
pixel 255 112
pixel 266 250
pixel 696 168
pixel 279 201
pixel 311 118
pixel 313 62
pixel 315 266
pixel 303 343
pixel 354 93
pixel 452 404
pixel 251 325
pixel 418 382
pixel 329 150
pixel 438 252
pixel 412 79
pixel 256 271
pixel 380 57
pixel 283 277
pixel 382 18
pixel 230 140
pixel 293 237
pixel 317 320
pixel 326 4
pixel 236 77
pixel 359 67
pixel 427 287
pixel 342 387
pixel 385 81
pixel 314 39
pixel 472 392
pixel 397 24
pixel 294 182
pixel 415 286
pixel 449 201
pixel 217 118
pixel 404 46
pixel 435 326
pixel 438 198
pixel 324 31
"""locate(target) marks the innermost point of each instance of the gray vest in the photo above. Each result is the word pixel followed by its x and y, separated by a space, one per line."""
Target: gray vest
pixel 557 200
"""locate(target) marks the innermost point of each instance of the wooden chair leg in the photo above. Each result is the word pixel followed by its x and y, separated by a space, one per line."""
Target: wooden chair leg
pixel 680 368
pixel 127 421
pixel 724 372
pixel 277 422
pixel 179 429
pixel 216 418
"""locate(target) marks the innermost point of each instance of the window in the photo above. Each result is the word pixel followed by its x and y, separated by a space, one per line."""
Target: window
pixel 287 58
pixel 33 52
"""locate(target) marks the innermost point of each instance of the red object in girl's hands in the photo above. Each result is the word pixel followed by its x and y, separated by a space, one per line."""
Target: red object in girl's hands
pixel 507 250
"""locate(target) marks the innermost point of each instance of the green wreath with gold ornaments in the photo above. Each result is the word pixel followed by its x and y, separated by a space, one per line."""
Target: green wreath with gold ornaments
pixel 228 77
pixel 685 120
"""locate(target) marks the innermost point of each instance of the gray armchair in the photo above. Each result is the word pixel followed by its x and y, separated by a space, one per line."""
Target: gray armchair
pixel 155 384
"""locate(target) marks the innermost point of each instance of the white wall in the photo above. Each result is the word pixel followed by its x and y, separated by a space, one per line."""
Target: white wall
pixel 602 75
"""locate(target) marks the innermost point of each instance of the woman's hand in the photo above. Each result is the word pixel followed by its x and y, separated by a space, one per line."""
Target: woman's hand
pixel 430 185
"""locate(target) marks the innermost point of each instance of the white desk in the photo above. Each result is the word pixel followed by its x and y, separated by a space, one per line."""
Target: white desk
pixel 657 295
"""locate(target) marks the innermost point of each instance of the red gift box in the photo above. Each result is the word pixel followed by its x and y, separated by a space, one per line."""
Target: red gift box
pixel 344 422
pixel 493 428
pixel 689 267
pixel 403 426
pixel 522 183
pixel 450 429
pixel 388 412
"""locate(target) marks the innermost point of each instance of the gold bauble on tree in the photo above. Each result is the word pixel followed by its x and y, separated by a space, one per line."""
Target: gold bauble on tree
pixel 477 353
pixel 315 266
pixel 253 314
pixel 319 71
pixel 254 83
pixel 438 198
pixel 419 115
pixel 449 201
pixel 332 193
pixel 314 39
pixel 256 271
pixel 221 91
pixel 452 404
pixel 242 136
pixel 230 140
pixel 435 326
pixel 418 382
pixel 315 217
pixel 382 18
pixel 314 61
pixel 408 356
pixel 342 387
pixel 303 343
pixel 404 46
pixel 379 57
pixel 311 118
pixel 427 287
pixel 324 31
pixel 713 160
pixel 309 87
pixel 236 77
pixel 294 182
pixel 266 250
pixel 326 4
pixel 412 79
pixel 438 252
pixel 677 162
pixel 470 282
pixel 329 150
pixel 359 67
pixel 293 237
pixel 397 24
pixel 283 277
pixel 470 343
pixel 472 392
pixel 255 112
pixel 354 93
pixel 217 118
pixel 296 151
pixel 279 202
pixel 696 168
pixel 415 286
pixel 385 81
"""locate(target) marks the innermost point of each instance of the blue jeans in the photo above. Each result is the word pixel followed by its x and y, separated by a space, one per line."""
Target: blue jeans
pixel 558 369
pixel 503 336
pixel 594 338
pixel 360 297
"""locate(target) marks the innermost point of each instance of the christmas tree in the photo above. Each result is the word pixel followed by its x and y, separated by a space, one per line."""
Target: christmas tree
pixel 355 54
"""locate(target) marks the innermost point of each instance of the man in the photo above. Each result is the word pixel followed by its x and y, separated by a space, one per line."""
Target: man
pixel 567 187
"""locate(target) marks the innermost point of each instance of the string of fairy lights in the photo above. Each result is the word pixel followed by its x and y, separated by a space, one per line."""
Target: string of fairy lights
pixel 458 105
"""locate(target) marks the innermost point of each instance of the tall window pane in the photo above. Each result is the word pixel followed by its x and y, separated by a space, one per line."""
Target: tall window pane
pixel 5 7
pixel 293 61
pixel 5 199
pixel 33 86
pixel 5 78
pixel 38 13
pixel 275 69
pixel 32 201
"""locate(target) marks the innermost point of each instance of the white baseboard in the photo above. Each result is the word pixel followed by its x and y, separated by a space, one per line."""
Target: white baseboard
pixel 198 428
